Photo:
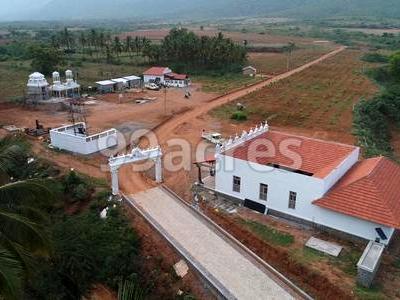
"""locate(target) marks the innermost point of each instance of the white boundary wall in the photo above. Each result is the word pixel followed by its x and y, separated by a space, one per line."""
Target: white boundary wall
pixel 62 138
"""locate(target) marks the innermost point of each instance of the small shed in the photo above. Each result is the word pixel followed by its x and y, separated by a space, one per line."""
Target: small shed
pixel 120 83
pixel 249 71
pixel 105 86
pixel 133 81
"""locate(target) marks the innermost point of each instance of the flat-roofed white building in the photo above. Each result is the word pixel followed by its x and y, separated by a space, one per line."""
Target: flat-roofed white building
pixel 74 138
pixel 105 86
pixel 133 81
pixel 120 83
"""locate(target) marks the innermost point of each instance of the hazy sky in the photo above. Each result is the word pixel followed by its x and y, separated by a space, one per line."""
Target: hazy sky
pixel 16 7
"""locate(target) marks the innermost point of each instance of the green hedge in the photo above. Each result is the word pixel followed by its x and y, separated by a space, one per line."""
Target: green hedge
pixel 371 122
pixel 239 115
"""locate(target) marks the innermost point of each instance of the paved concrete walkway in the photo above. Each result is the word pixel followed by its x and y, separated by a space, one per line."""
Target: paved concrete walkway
pixel 234 270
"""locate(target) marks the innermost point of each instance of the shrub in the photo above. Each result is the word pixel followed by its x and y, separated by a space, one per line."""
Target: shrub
pixel 87 250
pixel 375 58
pixel 76 187
pixel 239 115
pixel 81 192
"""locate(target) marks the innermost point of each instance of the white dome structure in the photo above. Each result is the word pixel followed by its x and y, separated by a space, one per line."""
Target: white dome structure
pixel 69 76
pixel 67 89
pixel 56 78
pixel 37 80
pixel 38 87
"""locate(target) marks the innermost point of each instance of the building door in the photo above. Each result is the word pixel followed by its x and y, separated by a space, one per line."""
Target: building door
pixel 255 206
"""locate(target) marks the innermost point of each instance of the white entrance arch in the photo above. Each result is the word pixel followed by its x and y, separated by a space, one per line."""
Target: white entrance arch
pixel 136 155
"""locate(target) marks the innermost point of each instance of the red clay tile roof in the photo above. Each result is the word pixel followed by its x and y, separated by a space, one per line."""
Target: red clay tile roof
pixel 207 159
pixel 156 71
pixel 175 76
pixel 370 190
pixel 308 155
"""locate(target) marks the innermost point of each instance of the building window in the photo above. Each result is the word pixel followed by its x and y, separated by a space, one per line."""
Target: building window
pixel 263 191
pixel 292 200
pixel 236 184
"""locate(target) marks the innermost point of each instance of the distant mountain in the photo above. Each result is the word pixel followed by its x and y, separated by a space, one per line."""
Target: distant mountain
pixel 201 9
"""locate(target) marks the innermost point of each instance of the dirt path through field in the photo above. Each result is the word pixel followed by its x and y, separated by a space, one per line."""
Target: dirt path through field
pixel 131 182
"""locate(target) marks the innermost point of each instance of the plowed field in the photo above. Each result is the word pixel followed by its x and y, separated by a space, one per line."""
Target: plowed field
pixel 321 98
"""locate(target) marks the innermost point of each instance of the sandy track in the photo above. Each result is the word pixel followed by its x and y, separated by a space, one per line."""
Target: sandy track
pixel 131 182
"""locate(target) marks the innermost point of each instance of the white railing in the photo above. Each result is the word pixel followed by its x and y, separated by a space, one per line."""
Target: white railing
pixel 137 154
pixel 244 137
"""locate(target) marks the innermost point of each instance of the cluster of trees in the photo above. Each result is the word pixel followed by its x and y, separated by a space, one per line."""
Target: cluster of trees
pixel 375 57
pixel 373 117
pixel 98 43
pixel 181 49
pixel 184 50
pixel 47 254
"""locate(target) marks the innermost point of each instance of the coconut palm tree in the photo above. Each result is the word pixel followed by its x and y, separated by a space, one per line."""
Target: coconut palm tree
pixel 22 235
pixel 128 45
pixel 289 50
pixel 131 290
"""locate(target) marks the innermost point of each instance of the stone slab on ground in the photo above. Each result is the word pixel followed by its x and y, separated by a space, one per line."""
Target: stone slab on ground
pixel 181 268
pixel 235 271
pixel 324 246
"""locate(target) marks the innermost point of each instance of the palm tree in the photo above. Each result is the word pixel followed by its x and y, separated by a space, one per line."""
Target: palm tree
pixel 22 235
pixel 128 45
pixel 82 41
pixel 117 46
pixel 131 290
pixel 289 49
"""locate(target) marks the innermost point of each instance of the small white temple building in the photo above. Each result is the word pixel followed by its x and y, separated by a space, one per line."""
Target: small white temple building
pixel 37 87
pixel 68 89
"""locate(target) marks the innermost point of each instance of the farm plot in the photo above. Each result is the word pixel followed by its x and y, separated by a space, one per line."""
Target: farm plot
pixel 276 63
pixel 320 98
pixel 251 37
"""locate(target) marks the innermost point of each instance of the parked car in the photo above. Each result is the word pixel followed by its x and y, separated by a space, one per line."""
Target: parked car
pixel 213 137
pixel 152 86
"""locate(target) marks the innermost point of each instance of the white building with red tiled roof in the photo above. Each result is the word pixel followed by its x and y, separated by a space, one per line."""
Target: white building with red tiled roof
pixel 164 75
pixel 319 182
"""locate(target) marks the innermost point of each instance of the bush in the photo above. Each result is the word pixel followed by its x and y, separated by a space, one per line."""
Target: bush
pixel 76 187
pixel 81 192
pixel 239 115
pixel 375 58
pixel 371 121
pixel 380 75
pixel 87 250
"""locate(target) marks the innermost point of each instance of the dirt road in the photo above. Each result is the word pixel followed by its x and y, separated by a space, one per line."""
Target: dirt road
pixel 133 182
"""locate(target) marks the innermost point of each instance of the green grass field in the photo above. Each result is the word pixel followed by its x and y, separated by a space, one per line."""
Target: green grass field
pixel 268 234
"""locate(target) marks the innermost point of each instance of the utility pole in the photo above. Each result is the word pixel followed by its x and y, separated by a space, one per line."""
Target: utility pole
pixel 165 100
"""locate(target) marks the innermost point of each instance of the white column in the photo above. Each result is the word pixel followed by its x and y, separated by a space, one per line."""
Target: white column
pixel 158 167
pixel 114 182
